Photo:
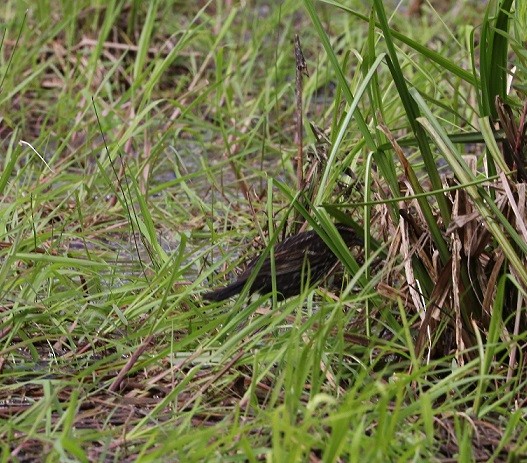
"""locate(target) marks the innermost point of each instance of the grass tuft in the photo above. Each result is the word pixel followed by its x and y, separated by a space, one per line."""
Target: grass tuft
pixel 150 150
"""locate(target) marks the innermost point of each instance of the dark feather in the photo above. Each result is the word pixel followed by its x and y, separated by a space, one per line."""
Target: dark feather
pixel 296 258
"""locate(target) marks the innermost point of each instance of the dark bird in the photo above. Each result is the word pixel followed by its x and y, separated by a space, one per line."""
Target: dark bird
pixel 296 258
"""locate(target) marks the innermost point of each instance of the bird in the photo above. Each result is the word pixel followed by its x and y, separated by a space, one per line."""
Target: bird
pixel 300 260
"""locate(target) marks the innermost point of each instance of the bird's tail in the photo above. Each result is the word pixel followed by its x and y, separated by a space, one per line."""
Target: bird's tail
pixel 221 294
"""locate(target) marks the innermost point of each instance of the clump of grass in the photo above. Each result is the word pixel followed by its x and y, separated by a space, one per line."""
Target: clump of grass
pixel 157 151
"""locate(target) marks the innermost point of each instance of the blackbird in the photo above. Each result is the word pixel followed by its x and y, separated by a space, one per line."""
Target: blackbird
pixel 300 260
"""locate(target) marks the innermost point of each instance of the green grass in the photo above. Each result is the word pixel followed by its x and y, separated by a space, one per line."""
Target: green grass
pixel 148 153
